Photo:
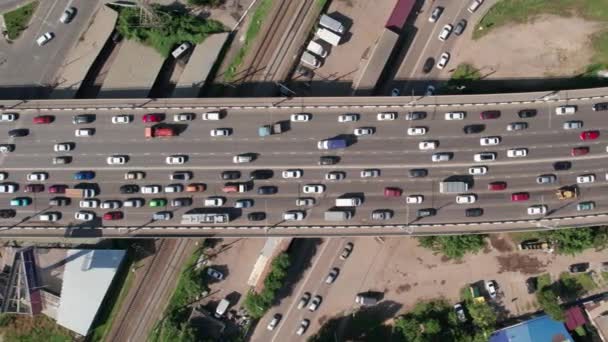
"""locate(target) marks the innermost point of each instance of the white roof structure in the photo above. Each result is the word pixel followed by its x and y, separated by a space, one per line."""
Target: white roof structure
pixel 87 276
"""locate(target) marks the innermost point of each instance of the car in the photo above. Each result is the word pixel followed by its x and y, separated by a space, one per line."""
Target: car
pixel 585 206
pixel 537 209
pixel 162 216
pixel 441 157
pixel 565 110
pixel 573 124
pixel 435 14
pixel 294 215
pixel 64 147
pixel 349 117
pixel 261 174
pixel 84 132
pixel 34 188
pixel 381 214
pixel 413 116
pixel 329 160
pixel 300 117
pixel 478 170
pixel 303 326
pixel 230 175
pixel 18 132
pixel 414 199
pixel 392 192
pixel 304 300
pixel 150 189
pixel 180 202
pixel 7 213
pixel 473 129
pixel 335 175
pixel 37 176
pixel 387 116
pixel 57 188
pixel 256 216
pixel 215 274
pixel 62 160
pixel 459 310
pixel 395 92
pixel 111 204
pixel 3 175
pixel 418 173
pixel 242 158
pixel 520 196
pixel 587 178
pixel 484 156
pixel 314 303
pixel 455 115
pixel 20 201
pixel 305 202
pixel 176 159
pixel 221 132
pixel 89 203
pixel 418 130
pixel 443 60
pixel 590 135
pixel 292 173
pixel 562 165
pixel 243 203
pixel 600 106
pixel 445 32
pixel 43 119
pixel 113 216
pixel 426 212
pixel 122 119
pixel 60 201
pixel 473 212
pixel 313 189
pixel 276 318
pixel 579 151
pixel 8 117
pixel 157 202
pixel 526 113
pixel 364 131
pixel 214 201
pixel 489 114
pixel 152 118
pixel 135 175
pixel 134 202
pixel 268 190
pixel 45 38
pixel 183 117
pixel 117 160
pixel 497 186
pixel 83 119
pixel 333 274
pixel 579 267
pixel 532 284
pixel 84 175
pixel 195 187
pixel 8 187
pixel 84 215
pixel 462 24
pixel 489 141
pixel 546 179
pixel 6 148
pixel 348 248
pixel 67 15
pixel 131 189
pixel 428 145
pixel 491 288
pixel 428 65
pixel 466 199
pixel 517 126
pixel 517 152
pixel 370 173
pixel 430 90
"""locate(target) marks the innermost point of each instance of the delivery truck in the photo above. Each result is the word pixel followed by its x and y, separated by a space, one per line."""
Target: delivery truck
pixel 317 49
pixel 337 215
pixel 154 132
pixel 80 193
pixel 332 144
pixel 331 23
pixel 310 59
pixel 266 130
pixel 449 187
pixel 328 36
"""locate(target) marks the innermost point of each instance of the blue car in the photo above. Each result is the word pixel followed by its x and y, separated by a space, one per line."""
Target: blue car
pixel 84 175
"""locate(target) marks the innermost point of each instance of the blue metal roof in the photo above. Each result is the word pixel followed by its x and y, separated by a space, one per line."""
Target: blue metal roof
pixel 540 329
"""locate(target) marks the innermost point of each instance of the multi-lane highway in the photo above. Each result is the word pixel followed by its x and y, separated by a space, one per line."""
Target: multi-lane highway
pixel 390 150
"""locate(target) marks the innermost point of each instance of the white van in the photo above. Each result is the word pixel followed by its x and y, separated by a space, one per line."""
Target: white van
pixel 317 49
pixel 180 50
pixel 331 23
pixel 211 116
pixel 348 202
pixel 329 36
pixel 310 59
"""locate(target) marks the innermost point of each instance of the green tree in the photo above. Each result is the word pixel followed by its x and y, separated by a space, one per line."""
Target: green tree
pixel 432 327
pixel 258 303
pixel 547 299
pixel 409 327
pixel 454 246
pixel 572 241
pixel 483 316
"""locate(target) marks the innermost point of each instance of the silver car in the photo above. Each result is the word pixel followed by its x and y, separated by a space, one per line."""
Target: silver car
pixel 546 179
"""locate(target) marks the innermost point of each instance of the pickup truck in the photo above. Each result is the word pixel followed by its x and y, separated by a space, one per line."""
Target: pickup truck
pixel 153 132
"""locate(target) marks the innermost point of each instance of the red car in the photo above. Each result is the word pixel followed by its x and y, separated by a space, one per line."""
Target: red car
pixel 43 119
pixel 520 196
pixel 113 215
pixel 57 189
pixel 34 188
pixel 579 151
pixel 152 118
pixel 490 114
pixel 392 192
pixel 497 186
pixel 590 135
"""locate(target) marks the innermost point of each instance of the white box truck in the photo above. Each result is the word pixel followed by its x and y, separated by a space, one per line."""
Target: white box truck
pixel 328 36
pixel 310 59
pixel 331 23
pixel 317 49
pixel 221 308
pixel 348 202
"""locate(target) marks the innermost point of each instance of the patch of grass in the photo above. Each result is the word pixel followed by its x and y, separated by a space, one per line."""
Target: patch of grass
pixel 16 21
pixel 34 329
pixel 605 276
pixel 321 3
pixel 252 31
pixel 467 72
pixel 543 280
pixel 522 236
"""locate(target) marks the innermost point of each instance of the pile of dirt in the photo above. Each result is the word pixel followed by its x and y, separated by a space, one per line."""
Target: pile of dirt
pixel 524 264
pixel 500 243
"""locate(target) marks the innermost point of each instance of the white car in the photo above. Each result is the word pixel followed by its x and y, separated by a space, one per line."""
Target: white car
pixel 37 176
pixel 313 189
pixel 67 15
pixel 418 130
pixel 134 203
pixel 517 126
pixel 489 141
pixel 430 90
pixel 537 209
pixel 388 116
pixel 441 157
pixel 175 160
pixel 116 160
pixel 7 188
pixel 84 215
pixel 588 178
pixel 443 60
pixel 274 322
pixel 242 158
pixel 294 215
pixel 491 288
pixel 84 132
pixel 350 117
pixel 517 152
pixel 111 204
pixel 466 199
pixel 364 131
pixel 455 115
pixel 89 203
pixel 565 110
pixel 305 202
pixel 335 175
pixel 62 147
pixel 172 188
pixel 575 124
pixel 45 38
pixel 150 189
pixel 428 145
pixel 478 170
pixel 220 132
pixel 214 201
pixel 414 199
pixel 8 117
pixel 445 32
pixel 435 14
pixel 370 173
pixel 183 117
pixel 300 117
pixel 3 176
pixel 292 173
pixel 314 304
pixel 122 119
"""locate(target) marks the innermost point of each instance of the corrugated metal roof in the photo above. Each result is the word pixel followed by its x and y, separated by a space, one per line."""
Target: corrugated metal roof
pixel 401 12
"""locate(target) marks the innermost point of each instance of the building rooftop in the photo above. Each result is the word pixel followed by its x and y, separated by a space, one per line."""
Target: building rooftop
pixel 540 329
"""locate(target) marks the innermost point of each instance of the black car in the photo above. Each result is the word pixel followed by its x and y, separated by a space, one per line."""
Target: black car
pixel 7 213
pixel 267 190
pixel 261 174
pixel 420 213
pixel 473 129
pixel 527 113
pixel 329 160
pixel 578 268
pixel 227 175
pixel 256 216
pixel 83 119
pixel 129 189
pixel 419 172
pixel 473 212
pixel 562 165
pixel 462 24
pixel 600 106
pixel 415 116
pixel 428 65
pixel 532 284
pixel 181 175
pixel 60 201
pixel 18 132
pixel 34 188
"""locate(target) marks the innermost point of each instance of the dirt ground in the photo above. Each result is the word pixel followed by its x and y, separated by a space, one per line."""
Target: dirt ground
pixel 550 46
